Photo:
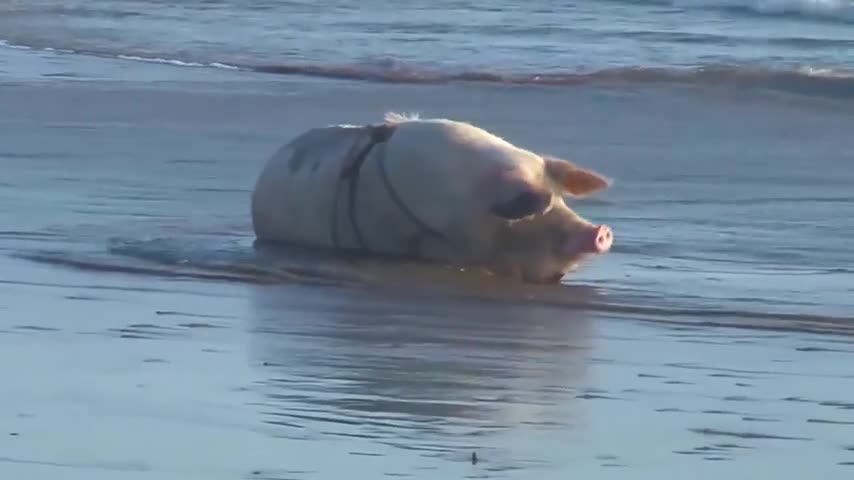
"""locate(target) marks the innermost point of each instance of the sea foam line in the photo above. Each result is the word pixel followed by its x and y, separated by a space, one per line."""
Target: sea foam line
pixel 805 80
pixel 179 63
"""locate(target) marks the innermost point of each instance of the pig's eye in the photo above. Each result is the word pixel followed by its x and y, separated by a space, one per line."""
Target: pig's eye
pixel 527 202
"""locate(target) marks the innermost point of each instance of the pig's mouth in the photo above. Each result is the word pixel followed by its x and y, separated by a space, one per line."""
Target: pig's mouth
pixel 597 240
pixel 554 279
pixel 548 266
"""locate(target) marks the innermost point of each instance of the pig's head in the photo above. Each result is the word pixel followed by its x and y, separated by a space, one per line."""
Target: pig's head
pixel 503 203
pixel 537 237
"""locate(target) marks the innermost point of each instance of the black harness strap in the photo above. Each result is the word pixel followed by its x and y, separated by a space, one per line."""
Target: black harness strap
pixel 350 173
pixel 424 229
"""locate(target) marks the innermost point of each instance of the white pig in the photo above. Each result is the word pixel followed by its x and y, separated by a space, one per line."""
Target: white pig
pixel 429 189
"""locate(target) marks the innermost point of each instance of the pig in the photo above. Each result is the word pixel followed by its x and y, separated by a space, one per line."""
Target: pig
pixel 429 189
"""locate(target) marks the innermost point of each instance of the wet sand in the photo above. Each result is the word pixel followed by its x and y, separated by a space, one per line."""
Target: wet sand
pixel 120 376
pixel 111 374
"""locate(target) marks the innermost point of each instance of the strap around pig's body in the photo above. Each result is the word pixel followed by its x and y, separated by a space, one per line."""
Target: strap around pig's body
pixel 350 173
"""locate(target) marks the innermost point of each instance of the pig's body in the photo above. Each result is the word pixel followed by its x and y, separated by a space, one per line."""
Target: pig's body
pixel 435 190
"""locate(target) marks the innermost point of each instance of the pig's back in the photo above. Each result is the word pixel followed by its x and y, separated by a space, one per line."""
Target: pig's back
pixel 294 196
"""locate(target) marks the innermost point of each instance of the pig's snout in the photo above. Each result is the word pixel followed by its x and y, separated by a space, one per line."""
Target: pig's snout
pixel 590 240
pixel 600 239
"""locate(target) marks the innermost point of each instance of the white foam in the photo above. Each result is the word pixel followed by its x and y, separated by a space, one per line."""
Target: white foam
pixel 6 44
pixel 179 63
pixel 136 58
pixel 825 72
pixel 223 65
pixel 159 60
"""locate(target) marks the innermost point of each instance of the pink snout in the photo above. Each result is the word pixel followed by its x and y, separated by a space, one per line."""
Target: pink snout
pixel 592 239
pixel 599 239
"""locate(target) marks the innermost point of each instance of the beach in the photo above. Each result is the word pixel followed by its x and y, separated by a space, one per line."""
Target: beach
pixel 143 336
pixel 169 379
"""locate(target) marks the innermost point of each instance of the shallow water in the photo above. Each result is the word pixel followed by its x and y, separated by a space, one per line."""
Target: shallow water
pixel 137 317
pixel 791 45
pixel 221 380
pixel 716 220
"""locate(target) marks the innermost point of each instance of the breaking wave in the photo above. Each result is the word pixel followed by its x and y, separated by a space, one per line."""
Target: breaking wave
pixel 824 82
pixel 804 80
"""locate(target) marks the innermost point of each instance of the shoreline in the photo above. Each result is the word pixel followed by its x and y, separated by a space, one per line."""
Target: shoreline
pixel 800 85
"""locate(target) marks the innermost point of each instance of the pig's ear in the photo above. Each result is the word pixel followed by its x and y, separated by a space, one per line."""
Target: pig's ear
pixel 574 180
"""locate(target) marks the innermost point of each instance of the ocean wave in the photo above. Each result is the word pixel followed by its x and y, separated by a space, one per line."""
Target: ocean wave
pixel 828 10
pixel 714 39
pixel 826 82
pixel 805 80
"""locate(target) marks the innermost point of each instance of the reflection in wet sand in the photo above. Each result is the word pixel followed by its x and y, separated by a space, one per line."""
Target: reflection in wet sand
pixel 523 380
pixel 436 376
